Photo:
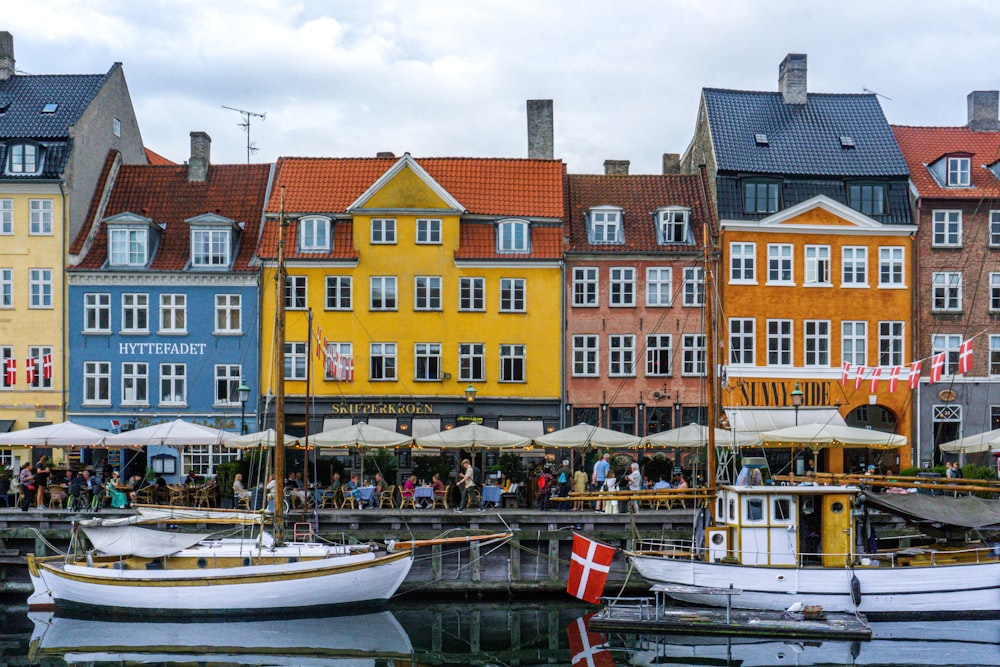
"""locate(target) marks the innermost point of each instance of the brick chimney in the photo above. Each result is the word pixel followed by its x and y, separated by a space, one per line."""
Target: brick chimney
pixel 385 154
pixel 616 167
pixel 671 163
pixel 792 78
pixel 540 129
pixel 983 105
pixel 201 149
pixel 6 55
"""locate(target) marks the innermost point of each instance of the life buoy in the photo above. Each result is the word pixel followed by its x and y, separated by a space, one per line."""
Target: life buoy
pixel 855 590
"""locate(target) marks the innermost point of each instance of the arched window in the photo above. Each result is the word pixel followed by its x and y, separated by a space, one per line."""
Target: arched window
pixel 314 234
pixel 513 236
pixel 23 159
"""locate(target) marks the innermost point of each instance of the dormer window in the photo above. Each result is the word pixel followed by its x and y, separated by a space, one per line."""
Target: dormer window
pixel 673 226
pixel 513 236
pixel 605 226
pixel 128 246
pixel 869 198
pixel 210 247
pixel 958 172
pixel 760 196
pixel 314 235
pixel 24 159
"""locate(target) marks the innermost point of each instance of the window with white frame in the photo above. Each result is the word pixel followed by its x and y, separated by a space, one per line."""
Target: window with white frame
pixel 383 293
pixel 383 231
pixel 6 288
pixel 227 381
pixel 296 292
pixel 946 229
pixel 890 266
pixel 40 288
pixel 742 341
pixel 854 263
pixel 204 459
pixel 621 281
pixel 42 356
pixel 586 355
pixel 659 355
pixel 97 383
pixel 817 264
pixel 135 313
pixel 605 226
pixel 742 262
pixel 472 294
pixel 994 355
pixel 890 343
pixel 693 355
pixel 426 362
pixel 995 229
pixel 816 342
pixel 382 361
pixel 513 236
pixel 427 293
pixel 512 295
pixel 6 217
pixel 659 286
pixel 40 217
pixel 228 313
pixel 694 286
pixel 135 383
pixel 946 291
pixel 674 227
pixel 127 247
pixel 585 283
pixel 116 127
pixel 314 234
pixel 779 263
pixel 950 413
pixel 23 159
pixel 854 342
pixel 6 352
pixel 512 363
pixel 338 362
pixel 339 290
pixel 429 231
pixel 173 384
pixel 779 342
pixel 173 313
pixel 210 247
pixel 948 344
pixel 959 172
pixel 96 312
pixel 621 355
pixel 471 362
pixel 995 292
pixel 296 360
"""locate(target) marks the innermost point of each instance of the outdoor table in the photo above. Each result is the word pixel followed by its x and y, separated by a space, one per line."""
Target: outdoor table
pixel 491 495
pixel 423 493
pixel 367 494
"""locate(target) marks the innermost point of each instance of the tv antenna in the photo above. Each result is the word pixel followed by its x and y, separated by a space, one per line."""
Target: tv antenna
pixel 247 116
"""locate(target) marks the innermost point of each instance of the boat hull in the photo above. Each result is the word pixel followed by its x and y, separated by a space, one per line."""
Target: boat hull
pixel 958 590
pixel 261 589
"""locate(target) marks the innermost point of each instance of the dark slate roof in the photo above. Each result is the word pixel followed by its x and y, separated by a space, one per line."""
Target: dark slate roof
pixel 24 96
pixel 802 139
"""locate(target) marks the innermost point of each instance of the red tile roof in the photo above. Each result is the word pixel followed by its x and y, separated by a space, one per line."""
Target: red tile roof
pixel 155 158
pixel 164 194
pixel 478 241
pixel 639 196
pixel 925 145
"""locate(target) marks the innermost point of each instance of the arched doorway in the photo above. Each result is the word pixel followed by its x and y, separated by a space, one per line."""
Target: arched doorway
pixel 876 418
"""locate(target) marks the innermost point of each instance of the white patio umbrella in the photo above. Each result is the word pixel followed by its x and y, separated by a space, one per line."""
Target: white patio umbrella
pixel 693 436
pixel 63 434
pixel 818 435
pixel 266 438
pixel 473 436
pixel 177 433
pixel 973 444
pixel 359 436
pixel 585 435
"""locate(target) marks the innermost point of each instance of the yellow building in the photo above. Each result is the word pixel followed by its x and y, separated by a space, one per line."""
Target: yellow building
pixel 429 282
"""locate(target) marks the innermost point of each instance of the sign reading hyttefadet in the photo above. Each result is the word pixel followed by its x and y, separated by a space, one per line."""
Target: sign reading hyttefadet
pixel 162 348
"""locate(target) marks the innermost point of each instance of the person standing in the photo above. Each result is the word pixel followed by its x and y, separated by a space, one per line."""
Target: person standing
pixel 564 477
pixel 545 483
pixel 26 480
pixel 41 480
pixel 635 484
pixel 579 486
pixel 467 480
pixel 600 476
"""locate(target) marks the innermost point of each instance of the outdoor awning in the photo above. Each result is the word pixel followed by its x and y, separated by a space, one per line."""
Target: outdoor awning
pixel 771 419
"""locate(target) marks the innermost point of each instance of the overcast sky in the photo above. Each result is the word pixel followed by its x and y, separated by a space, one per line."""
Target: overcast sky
pixel 450 78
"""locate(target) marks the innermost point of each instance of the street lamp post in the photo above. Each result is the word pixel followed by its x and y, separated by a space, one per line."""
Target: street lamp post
pixel 470 397
pixel 244 392
pixel 797 397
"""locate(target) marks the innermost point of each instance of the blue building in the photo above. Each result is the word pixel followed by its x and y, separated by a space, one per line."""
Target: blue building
pixel 163 316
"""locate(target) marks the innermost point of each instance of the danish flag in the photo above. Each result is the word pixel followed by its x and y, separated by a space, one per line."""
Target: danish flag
pixel 10 372
pixel 586 648
pixel 859 376
pixel 965 357
pixel 915 369
pixel 588 568
pixel 47 366
pixel 876 374
pixel 29 370
pixel 846 373
pixel 320 349
pixel 937 367
pixel 894 378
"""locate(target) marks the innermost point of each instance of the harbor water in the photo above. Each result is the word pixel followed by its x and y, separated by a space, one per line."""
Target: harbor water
pixel 411 632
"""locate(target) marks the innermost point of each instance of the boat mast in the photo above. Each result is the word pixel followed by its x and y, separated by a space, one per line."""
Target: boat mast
pixel 279 399
pixel 710 344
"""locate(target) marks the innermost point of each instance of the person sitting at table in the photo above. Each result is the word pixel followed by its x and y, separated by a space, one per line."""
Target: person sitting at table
pixel 409 487
pixel 440 490
pixel 161 494
pixel 681 483
pixel 191 479
pixel 77 490
pixel 239 491
pixel 381 486
pixel 662 484
pixel 113 488
pixel 352 488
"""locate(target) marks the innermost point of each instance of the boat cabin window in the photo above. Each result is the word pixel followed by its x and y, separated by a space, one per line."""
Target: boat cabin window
pixel 837 507
pixel 781 510
pixel 720 509
pixel 754 510
pixel 732 510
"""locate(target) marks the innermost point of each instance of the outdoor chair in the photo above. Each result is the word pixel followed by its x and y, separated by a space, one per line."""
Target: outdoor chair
pixel 243 502
pixel 349 500
pixel 57 496
pixel 442 500
pixel 407 500
pixel 387 499
pixel 205 496
pixel 333 500
pixel 178 494
pixel 144 496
